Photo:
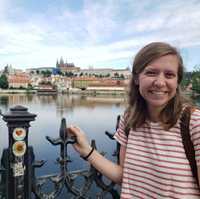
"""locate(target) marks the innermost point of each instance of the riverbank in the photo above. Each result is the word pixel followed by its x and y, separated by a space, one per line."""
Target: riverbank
pixel 16 91
pixel 70 91
pixel 115 92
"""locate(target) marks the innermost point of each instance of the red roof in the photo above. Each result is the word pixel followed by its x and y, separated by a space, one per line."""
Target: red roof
pixel 19 78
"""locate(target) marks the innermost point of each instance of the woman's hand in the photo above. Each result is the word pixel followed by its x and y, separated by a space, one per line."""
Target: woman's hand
pixel 82 145
pixel 112 170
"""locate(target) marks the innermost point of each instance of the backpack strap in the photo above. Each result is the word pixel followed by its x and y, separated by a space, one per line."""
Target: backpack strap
pixel 186 139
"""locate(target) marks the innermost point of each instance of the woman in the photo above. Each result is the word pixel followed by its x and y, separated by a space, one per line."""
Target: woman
pixel 153 162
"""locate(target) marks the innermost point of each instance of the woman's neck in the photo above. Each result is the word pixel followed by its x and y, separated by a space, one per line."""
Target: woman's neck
pixel 154 114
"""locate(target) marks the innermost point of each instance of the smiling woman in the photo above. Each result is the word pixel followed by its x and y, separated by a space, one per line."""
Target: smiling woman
pixel 157 67
pixel 153 162
pixel 158 83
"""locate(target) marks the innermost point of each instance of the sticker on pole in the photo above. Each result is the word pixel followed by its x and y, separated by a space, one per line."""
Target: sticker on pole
pixel 18 169
pixel 19 133
pixel 19 148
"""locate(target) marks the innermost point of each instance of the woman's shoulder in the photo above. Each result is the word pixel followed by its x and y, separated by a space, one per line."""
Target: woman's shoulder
pixel 195 121
pixel 194 116
pixel 195 113
pixel 193 109
pixel 190 111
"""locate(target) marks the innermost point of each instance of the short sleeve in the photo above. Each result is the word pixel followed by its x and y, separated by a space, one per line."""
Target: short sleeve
pixel 120 135
pixel 195 133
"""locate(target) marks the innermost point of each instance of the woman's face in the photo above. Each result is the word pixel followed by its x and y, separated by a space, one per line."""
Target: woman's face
pixel 158 82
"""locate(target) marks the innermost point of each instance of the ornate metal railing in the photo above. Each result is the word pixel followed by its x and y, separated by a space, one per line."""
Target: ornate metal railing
pixel 18 178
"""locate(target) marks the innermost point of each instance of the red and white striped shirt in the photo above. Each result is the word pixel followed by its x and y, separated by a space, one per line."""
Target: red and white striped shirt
pixel 155 164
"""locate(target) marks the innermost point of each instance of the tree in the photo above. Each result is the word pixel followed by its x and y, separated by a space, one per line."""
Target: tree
pixel 116 75
pixel 107 75
pixel 122 76
pixel 46 73
pixel 3 81
pixel 69 74
pixel 30 87
pixel 196 79
pixel 187 76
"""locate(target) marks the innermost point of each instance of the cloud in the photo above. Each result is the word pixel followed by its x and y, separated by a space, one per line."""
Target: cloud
pixel 100 20
pixel 99 31
pixel 4 4
pixel 16 39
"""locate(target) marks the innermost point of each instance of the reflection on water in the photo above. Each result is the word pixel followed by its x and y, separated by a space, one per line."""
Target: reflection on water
pixel 61 102
pixel 94 115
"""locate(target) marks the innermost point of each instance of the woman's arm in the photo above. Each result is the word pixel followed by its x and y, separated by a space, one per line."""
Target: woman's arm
pixel 111 170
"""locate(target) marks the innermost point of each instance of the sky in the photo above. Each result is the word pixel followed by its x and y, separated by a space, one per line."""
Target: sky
pixel 95 33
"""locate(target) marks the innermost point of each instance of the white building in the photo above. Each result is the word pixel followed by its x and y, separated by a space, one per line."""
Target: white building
pixel 106 72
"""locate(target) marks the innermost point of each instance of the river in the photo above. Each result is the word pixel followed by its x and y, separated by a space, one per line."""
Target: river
pixel 94 114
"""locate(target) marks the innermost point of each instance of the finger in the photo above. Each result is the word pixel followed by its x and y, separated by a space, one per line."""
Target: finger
pixel 73 130
pixel 76 128
pixel 70 130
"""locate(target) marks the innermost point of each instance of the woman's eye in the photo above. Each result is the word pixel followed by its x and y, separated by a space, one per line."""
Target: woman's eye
pixel 150 73
pixel 170 75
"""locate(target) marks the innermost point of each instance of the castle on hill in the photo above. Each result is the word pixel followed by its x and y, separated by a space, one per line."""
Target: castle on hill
pixel 66 67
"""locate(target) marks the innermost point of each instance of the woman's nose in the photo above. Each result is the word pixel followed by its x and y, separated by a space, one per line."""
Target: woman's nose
pixel 159 81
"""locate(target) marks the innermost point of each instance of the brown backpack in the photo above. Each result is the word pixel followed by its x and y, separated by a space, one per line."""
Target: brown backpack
pixel 186 139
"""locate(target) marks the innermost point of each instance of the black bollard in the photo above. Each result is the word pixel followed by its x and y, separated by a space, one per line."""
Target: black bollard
pixel 16 158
